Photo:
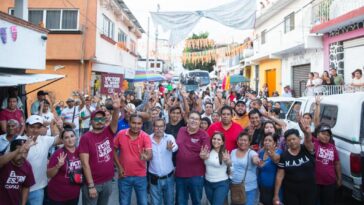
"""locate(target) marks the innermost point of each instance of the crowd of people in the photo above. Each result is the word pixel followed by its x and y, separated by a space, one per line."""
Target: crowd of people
pixel 171 145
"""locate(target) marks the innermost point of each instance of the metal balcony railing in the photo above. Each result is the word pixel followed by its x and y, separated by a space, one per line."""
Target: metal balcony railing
pixel 325 10
pixel 332 90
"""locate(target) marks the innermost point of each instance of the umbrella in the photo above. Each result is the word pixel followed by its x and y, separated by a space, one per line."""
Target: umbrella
pixel 142 75
pixel 238 79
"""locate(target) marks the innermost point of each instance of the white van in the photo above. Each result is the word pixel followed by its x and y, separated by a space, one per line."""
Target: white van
pixel 345 114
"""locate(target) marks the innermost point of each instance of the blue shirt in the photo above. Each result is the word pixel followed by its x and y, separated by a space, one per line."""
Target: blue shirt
pixel 267 173
pixel 239 167
pixel 161 164
pixel 122 125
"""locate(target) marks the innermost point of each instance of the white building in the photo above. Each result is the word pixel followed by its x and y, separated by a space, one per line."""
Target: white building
pixel 284 49
pixel 156 66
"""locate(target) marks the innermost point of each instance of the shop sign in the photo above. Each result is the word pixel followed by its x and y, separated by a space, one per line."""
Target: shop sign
pixel 111 83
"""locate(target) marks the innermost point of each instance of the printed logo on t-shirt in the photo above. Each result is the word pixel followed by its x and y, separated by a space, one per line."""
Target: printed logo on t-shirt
pixel 73 166
pixel 193 140
pixel 103 149
pixel 297 163
pixel 13 181
pixel 325 155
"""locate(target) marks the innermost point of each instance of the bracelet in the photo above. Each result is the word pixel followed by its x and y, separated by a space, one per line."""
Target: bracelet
pixel 92 185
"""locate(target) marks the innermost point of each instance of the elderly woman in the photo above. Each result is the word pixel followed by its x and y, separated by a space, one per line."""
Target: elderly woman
pixel 244 167
pixel 296 171
pixel 62 187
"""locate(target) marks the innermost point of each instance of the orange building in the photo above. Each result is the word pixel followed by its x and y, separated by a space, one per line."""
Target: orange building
pixel 82 34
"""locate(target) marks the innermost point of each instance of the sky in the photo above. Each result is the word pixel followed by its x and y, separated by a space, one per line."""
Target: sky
pixel 218 32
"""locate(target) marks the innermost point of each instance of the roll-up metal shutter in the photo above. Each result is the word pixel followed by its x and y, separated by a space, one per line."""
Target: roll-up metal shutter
pixel 300 76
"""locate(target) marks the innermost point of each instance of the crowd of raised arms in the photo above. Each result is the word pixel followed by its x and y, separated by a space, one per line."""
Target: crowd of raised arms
pixel 170 147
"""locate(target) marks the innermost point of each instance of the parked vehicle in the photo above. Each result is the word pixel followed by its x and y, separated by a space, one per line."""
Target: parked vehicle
pixel 345 114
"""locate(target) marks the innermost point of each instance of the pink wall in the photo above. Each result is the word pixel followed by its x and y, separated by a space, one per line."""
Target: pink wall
pixel 342 37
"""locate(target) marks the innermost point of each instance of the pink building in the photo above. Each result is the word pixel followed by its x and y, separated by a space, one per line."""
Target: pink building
pixel 342 26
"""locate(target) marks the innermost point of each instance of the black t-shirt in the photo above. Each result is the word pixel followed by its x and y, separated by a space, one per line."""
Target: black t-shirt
pixel 148 127
pixel 298 169
pixel 173 129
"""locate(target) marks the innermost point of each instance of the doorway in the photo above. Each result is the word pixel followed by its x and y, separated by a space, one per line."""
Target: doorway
pixel 270 79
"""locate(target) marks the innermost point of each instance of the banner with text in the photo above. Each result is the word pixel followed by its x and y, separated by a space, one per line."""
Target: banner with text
pixel 111 83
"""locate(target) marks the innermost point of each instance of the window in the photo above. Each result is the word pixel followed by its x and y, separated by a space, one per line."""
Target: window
pixel 57 19
pixel 152 65
pixel 263 36
pixel 158 65
pixel 289 23
pixel 328 114
pixel 122 37
pixel 296 108
pixel 132 46
pixel 69 19
pixel 53 19
pixel 36 16
pixel 108 27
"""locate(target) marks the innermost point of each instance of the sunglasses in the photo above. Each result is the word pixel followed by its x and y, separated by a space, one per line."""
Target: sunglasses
pixel 99 119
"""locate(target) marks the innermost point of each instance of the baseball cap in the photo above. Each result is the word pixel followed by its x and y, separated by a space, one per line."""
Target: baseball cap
pixel 240 101
pixel 41 92
pixel 324 128
pixel 34 119
pixel 93 114
pixel 70 100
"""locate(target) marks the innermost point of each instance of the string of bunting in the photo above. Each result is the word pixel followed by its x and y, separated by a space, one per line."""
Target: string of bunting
pixel 199 43
pixel 212 54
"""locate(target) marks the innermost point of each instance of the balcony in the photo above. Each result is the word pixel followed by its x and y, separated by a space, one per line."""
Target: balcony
pixel 328 15
pixel 333 90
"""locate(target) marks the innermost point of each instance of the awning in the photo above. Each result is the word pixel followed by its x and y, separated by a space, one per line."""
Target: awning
pixel 8 80
pixel 115 69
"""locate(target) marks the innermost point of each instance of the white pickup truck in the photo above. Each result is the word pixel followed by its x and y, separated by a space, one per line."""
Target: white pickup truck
pixel 345 114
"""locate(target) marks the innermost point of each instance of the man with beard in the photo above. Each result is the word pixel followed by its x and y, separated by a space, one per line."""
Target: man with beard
pixel 134 147
pixel 229 128
pixel 16 175
pixel 241 117
pixel 97 158
pixel 176 121
pixel 255 128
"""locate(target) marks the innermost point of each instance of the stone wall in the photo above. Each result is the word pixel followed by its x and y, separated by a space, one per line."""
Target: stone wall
pixel 336 56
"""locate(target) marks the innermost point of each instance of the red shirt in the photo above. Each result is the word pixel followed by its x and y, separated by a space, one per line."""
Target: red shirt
pixel 326 155
pixel 12 180
pixel 188 161
pixel 231 134
pixel 59 187
pixel 129 156
pixel 7 114
pixel 101 157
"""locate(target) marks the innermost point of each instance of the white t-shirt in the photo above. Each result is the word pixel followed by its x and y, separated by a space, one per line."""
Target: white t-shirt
pixel 357 81
pixel 37 157
pixel 86 113
pixel 48 117
pixel 67 114
pixel 215 171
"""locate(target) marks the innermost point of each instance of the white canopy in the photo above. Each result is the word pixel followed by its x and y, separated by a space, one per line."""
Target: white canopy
pixel 7 80
pixel 239 14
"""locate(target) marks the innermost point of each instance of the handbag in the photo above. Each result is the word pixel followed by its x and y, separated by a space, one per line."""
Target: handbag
pixel 237 191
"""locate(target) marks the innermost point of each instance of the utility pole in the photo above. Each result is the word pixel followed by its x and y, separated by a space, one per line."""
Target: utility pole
pixel 147 60
pixel 156 43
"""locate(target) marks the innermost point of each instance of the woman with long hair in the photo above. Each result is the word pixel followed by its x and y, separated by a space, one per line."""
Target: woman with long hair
pixel 63 189
pixel 217 162
pixel 326 80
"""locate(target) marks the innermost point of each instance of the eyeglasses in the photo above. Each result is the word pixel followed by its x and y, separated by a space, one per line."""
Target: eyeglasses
pixel 159 127
pixel 194 119
pixel 99 119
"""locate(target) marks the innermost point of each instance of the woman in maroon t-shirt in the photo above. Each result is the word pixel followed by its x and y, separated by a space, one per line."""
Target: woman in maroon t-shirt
pixel 61 164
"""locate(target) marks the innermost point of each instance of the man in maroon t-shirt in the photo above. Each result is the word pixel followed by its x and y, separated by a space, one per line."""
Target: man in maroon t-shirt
pixel 230 129
pixel 16 175
pixel 96 154
pixel 190 168
pixel 12 112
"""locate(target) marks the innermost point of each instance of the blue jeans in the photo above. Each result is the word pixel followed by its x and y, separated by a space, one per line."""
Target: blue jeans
pixel 191 186
pixel 251 197
pixel 163 193
pixel 126 186
pixel 216 192
pixel 36 197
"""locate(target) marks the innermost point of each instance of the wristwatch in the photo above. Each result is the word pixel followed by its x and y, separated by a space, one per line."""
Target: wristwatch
pixel 91 186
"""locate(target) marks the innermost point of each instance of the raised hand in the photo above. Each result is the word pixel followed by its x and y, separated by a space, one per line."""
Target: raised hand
pixel 205 152
pixel 61 160
pixel 225 156
pixel 170 146
pixel 318 99
pixel 144 155
pixel 305 126
pixel 116 102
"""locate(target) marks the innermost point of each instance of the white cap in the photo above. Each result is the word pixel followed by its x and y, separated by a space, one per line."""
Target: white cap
pixel 33 119
pixel 131 106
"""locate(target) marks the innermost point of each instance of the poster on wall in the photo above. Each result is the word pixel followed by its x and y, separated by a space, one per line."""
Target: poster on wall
pixel 111 83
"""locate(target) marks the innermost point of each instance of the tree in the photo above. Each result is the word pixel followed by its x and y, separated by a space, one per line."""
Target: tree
pixel 208 66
